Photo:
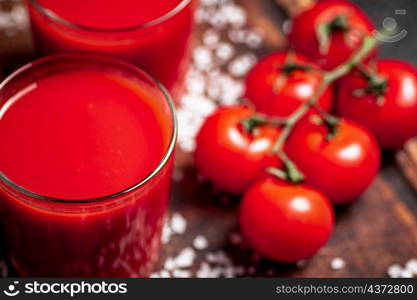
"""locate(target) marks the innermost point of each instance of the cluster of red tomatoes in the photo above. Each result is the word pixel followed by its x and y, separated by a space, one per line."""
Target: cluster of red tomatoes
pixel 287 153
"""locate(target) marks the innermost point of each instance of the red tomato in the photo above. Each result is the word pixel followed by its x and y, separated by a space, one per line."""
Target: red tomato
pixel 343 27
pixel 341 166
pixel 230 156
pixel 285 222
pixel 278 88
pixel 389 110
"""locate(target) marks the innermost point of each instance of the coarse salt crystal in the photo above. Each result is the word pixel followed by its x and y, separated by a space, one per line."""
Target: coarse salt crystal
pixel 169 264
pixel 217 20
pixel 211 38
pixel 225 51
pixel 337 263
pixel 411 265
pixel 185 258
pixel 406 274
pixel 237 35
pixel 200 242
pixel 202 58
pixel 178 223
pixel 181 274
pixel 235 15
pixel 166 233
pixel 242 64
pixel 164 274
pixel 394 271
pixel 253 39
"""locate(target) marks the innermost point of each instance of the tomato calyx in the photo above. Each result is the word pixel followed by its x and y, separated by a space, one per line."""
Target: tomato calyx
pixel 376 85
pixel 291 174
pixel 287 69
pixel 250 124
pixel 256 120
pixel 325 30
pixel 290 67
pixel 330 121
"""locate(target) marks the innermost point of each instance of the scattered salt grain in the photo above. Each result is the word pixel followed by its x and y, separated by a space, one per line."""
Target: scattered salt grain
pixel 164 274
pixel 253 39
pixel 234 14
pixel 211 38
pixel 185 258
pixel 181 274
pixel 242 64
pixel 200 242
pixel 208 2
pixel 202 58
pixel 337 263
pixel 224 52
pixel 411 266
pixel 394 271
pixel 178 223
pixel 218 20
pixel 406 274
pixel 166 233
pixel 237 36
pixel 169 264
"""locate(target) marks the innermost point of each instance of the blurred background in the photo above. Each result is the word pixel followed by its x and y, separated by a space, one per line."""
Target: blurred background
pixel 374 237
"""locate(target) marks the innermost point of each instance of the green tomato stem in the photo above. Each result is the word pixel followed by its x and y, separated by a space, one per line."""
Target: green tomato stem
pixel 369 43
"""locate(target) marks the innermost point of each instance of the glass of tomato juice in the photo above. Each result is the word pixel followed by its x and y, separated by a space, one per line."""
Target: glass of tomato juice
pixel 155 35
pixel 85 166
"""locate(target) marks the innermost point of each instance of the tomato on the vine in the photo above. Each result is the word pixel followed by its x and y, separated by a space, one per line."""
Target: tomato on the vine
pixel 285 222
pixel 385 103
pixel 281 82
pixel 233 149
pixel 341 161
pixel 330 32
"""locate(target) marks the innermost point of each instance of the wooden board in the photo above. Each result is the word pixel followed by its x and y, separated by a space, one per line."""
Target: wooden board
pixel 378 230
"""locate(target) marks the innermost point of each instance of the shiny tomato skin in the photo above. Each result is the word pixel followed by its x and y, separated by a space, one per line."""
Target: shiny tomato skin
pixel 343 44
pixel 343 166
pixel 285 222
pixel 228 155
pixel 275 93
pixel 392 122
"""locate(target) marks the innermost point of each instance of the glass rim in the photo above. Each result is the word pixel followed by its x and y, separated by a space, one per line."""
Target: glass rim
pixel 156 170
pixel 59 19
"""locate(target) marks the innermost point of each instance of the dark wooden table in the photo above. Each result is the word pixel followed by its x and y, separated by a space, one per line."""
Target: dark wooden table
pixel 375 232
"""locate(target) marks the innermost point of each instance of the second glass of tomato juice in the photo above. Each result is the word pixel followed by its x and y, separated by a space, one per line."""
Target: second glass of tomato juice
pixel 85 166
pixel 154 35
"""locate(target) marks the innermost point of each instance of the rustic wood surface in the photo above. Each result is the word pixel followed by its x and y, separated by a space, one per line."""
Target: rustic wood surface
pixel 378 230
